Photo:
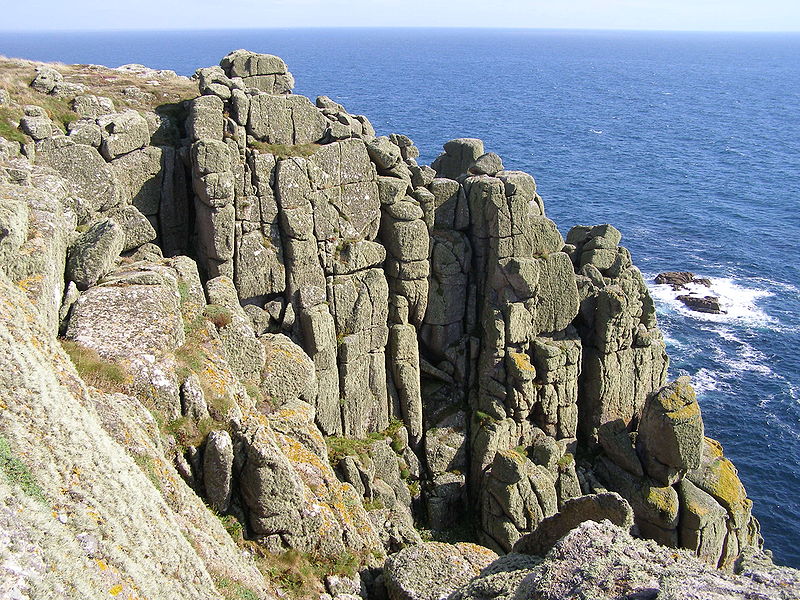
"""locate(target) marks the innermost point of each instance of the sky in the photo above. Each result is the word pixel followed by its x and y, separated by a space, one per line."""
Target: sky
pixel 702 15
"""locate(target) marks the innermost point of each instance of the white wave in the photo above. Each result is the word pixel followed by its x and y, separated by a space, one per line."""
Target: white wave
pixel 744 358
pixel 725 333
pixel 596 131
pixel 742 363
pixel 739 303
pixel 734 151
pixel 670 341
pixel 706 380
pixel 777 285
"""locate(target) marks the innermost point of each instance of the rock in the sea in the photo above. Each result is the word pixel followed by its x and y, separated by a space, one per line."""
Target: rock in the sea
pixel 679 279
pixel 704 304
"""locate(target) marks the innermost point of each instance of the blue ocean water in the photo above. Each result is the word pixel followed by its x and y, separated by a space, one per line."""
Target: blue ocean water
pixel 689 143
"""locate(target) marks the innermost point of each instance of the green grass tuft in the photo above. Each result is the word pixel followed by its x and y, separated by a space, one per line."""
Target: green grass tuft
pixel 150 468
pixel 17 473
pixel 374 504
pixel 189 432
pixel 8 130
pixel 233 590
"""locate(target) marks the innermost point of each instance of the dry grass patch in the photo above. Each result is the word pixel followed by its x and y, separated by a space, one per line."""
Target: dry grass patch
pixel 96 371
pixel 163 95
pixel 281 151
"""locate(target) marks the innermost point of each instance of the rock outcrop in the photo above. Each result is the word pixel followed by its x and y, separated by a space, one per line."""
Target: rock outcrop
pixel 432 571
pixel 600 560
pixel 282 315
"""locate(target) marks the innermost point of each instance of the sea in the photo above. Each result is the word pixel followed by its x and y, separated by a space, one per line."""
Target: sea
pixel 689 143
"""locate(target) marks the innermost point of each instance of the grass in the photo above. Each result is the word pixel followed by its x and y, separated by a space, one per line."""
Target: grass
pixel 149 467
pixel 17 74
pixel 232 526
pixel 300 574
pixel 373 504
pixel 105 375
pixel 484 418
pixel 166 98
pixel 339 447
pixel 8 129
pixel 183 290
pixel 566 460
pixel 189 432
pixel 58 109
pixel 17 473
pixel 233 590
pixel 281 151
pixel 190 357
pixel 218 315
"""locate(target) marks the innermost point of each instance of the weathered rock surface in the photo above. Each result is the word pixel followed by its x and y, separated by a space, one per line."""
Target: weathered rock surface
pixel 94 253
pixel 84 514
pixel 433 570
pixel 670 434
pixel 600 560
pixel 599 507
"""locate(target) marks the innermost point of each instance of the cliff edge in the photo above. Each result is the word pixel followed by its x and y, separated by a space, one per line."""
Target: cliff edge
pixel 251 349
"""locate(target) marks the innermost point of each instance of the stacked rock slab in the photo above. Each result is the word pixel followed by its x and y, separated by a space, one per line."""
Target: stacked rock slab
pixel 684 493
pixel 624 357
pixel 319 214
pixel 499 272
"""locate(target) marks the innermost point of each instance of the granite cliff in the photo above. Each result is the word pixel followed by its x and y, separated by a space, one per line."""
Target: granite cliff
pixel 249 348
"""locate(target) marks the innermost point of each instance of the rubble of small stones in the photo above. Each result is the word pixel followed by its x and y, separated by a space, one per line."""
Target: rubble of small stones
pixel 342 345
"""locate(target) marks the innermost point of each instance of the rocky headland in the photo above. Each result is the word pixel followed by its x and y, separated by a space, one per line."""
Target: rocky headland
pixel 250 349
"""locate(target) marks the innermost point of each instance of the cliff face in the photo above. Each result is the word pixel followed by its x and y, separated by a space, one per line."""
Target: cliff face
pixel 284 316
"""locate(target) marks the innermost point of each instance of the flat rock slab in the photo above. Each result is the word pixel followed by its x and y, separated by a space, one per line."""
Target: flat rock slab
pixel 433 570
pixel 126 320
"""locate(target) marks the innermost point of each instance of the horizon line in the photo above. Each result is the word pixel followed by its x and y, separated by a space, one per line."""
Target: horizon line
pixel 403 27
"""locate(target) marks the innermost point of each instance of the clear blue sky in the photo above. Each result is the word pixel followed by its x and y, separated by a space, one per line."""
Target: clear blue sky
pixel 707 15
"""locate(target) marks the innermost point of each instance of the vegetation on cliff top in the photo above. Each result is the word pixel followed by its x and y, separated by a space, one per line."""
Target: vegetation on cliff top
pixel 126 89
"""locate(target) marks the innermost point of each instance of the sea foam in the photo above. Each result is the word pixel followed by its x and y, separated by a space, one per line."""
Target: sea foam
pixel 738 302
